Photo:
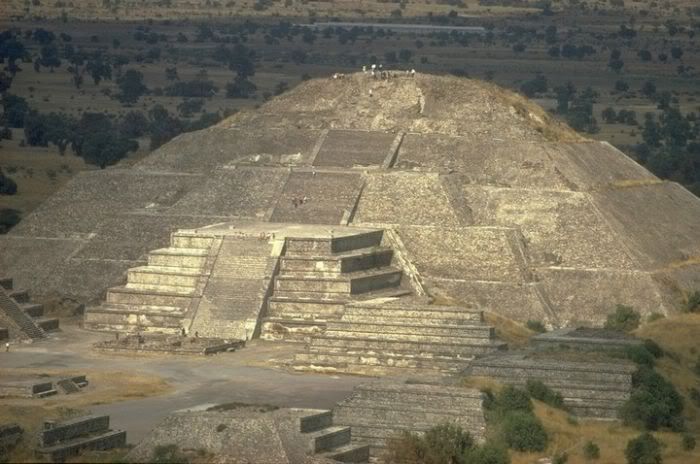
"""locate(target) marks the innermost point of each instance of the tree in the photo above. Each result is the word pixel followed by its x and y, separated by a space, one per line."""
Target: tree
pixel 7 185
pixel 644 55
pixel 162 126
pixel 35 129
pixel 5 82
pixel 550 34
pixel 621 86
pixel 98 142
pixel 405 55
pixel 645 449
pixel 534 86
pixel 49 57
pixel 171 74
pixel 649 89
pixel 8 219
pixel 676 53
pixel 59 130
pixel 99 68
pixel 624 318
pixel 131 86
pixel 609 115
pixel 11 50
pixel 564 95
pixel 133 124
pixel 240 88
pixel 15 110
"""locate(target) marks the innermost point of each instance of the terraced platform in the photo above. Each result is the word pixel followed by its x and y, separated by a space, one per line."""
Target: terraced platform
pixel 381 410
pixel 590 388
pixel 390 336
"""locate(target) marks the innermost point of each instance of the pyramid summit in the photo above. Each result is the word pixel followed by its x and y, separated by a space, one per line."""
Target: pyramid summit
pixel 481 196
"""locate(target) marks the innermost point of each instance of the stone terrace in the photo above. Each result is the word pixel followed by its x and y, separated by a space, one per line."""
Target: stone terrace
pixel 399 337
pixel 381 410
pixel 590 388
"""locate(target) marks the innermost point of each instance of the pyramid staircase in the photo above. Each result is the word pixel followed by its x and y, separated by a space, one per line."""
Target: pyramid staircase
pixel 395 338
pixel 330 441
pixel 319 276
pixel 382 410
pixel 158 296
pixel 24 319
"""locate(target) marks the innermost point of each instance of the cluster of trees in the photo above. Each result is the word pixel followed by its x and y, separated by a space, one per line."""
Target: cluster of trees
pixel 577 107
pixel 671 146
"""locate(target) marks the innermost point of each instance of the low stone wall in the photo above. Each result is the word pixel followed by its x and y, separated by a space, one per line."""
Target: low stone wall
pixel 108 440
pixel 584 339
pixel 169 345
pixel 54 433
pixel 25 389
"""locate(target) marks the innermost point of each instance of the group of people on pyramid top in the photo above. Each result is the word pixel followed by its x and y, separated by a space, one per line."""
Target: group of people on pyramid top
pixel 377 72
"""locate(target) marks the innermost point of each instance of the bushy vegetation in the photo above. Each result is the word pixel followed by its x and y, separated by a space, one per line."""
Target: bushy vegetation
pixel 645 449
pixel 168 454
pixel 692 303
pixel 591 451
pixel 7 185
pixel 654 403
pixel 443 444
pixel 539 391
pixel 510 413
pixel 9 218
pixel 624 318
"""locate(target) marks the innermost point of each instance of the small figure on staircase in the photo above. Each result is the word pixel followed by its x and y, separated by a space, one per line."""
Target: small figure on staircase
pixel 7 347
pixel 183 333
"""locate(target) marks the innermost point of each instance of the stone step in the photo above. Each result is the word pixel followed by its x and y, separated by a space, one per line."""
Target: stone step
pixel 290 330
pixel 472 339
pixel 547 374
pixel 329 438
pixel 179 240
pixel 342 361
pixel 359 345
pixel 33 309
pixel 12 310
pixel 326 246
pixel 6 283
pixel 136 296
pixel 393 330
pixel 20 296
pixel 376 435
pixel 143 309
pixel 348 453
pixel 357 260
pixel 359 310
pixel 396 418
pixel 356 282
pixel 160 289
pixel 163 275
pixel 313 422
pixel 178 257
pixel 104 441
pixel 290 308
pixel 47 324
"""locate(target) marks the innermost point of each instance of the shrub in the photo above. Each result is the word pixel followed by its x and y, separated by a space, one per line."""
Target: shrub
pixel 625 318
pixel 645 449
pixel 7 185
pixel 542 392
pixel 489 453
pixel 445 443
pixel 655 317
pixel 522 431
pixel 693 303
pixel 638 354
pixel 9 218
pixel 591 451
pixel 513 399
pixel 654 402
pixel 536 326
pixel 560 458
pixel 652 347
pixel 688 442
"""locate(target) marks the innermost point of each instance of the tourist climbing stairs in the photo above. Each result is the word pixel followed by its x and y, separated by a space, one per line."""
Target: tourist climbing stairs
pixel 318 276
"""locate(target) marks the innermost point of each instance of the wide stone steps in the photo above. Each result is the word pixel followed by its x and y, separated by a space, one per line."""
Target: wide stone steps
pixel 399 331
pixel 297 246
pixel 296 308
pixel 330 441
pixel 11 309
pixel 438 346
pixel 350 283
pixel 377 363
pixel 358 312
pixel 150 297
pixel 178 240
pixel 164 275
pixel 356 260
pixel 20 296
pixel 144 309
pixel 178 257
pixel 33 309
pixel 160 289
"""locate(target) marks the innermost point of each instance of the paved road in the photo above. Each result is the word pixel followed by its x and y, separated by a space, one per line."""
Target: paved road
pixel 228 377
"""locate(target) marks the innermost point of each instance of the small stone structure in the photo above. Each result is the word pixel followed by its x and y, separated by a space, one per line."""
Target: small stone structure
pixel 583 339
pixel 250 433
pixel 381 410
pixel 40 387
pixel 10 434
pixel 19 317
pixel 169 344
pixel 60 440
pixel 590 387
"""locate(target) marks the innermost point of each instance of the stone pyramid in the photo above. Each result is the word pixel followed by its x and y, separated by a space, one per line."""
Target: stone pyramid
pixel 490 201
